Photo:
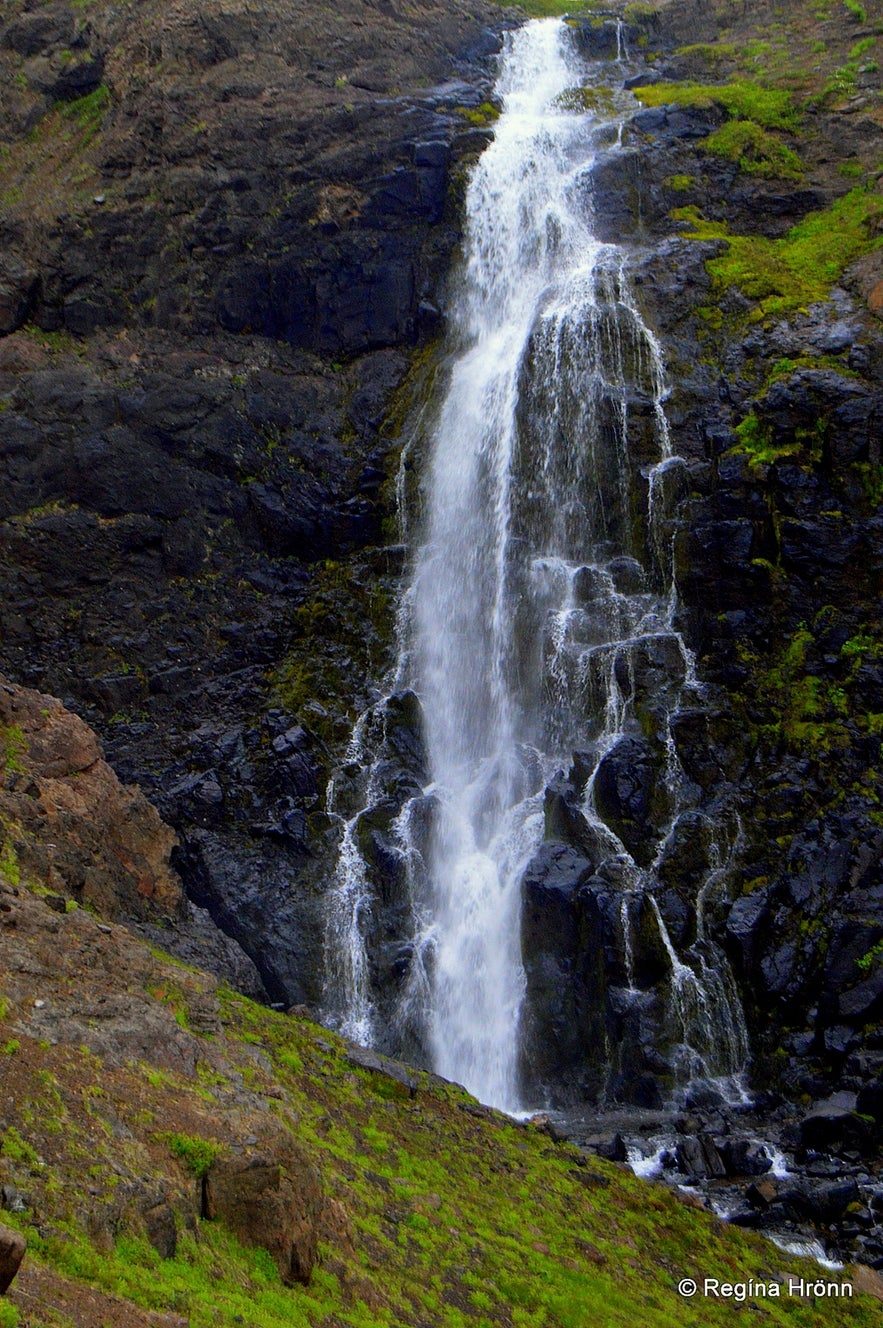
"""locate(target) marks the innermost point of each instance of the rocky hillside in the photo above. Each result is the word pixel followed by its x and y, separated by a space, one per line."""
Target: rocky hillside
pixel 175 1154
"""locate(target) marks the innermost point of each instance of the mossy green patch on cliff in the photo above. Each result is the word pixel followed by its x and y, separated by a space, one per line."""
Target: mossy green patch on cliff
pixel 743 99
pixel 558 8
pixel 197 1154
pixel 793 272
pixel 756 151
pixel 807 704
pixel 87 111
pixel 343 637
pixel 479 116
pixel 13 745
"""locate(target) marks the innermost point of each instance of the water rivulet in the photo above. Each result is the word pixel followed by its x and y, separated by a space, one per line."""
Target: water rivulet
pixel 524 876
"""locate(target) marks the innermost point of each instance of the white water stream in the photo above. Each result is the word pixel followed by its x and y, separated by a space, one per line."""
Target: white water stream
pixel 537 585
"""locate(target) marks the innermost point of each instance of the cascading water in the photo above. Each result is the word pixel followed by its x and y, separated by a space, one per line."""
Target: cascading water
pixel 539 620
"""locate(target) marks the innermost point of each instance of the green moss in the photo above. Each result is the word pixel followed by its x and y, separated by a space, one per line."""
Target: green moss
pixel 772 108
pixel 871 479
pixel 856 10
pixel 597 100
pixel 343 634
pixel 13 745
pixel 712 52
pixel 867 961
pixel 756 151
pixel 479 116
pixel 640 15
pixel 9 863
pixel 800 268
pixel 755 442
pixel 17 1149
pixel 681 184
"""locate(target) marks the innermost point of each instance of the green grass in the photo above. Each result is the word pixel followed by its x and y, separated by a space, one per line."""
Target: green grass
pixel 17 1149
pixel 638 14
pixel 455 1219
pixel 88 111
pixel 557 8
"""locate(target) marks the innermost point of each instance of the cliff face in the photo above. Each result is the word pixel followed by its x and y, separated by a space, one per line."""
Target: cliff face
pixel 766 292
pixel 224 228
pixel 225 231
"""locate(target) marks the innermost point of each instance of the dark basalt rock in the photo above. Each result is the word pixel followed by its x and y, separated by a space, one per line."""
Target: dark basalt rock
pixel 563 1018
pixel 835 1126
pixel 626 795
pixel 19 285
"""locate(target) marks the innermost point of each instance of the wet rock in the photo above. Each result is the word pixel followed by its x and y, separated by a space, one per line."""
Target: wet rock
pixel 626 795
pixel 745 926
pixel 564 1001
pixel 833 1125
pixel 629 577
pixel 762 1194
pixel 824 1202
pixel 744 1157
pixel 566 822
pixel 698 1158
pixel 652 671
pixel 869 1102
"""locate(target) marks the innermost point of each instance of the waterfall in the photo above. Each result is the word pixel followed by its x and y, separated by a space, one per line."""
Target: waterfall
pixel 542 593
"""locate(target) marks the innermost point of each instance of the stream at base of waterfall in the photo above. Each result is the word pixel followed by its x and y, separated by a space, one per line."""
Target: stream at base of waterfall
pixel 526 872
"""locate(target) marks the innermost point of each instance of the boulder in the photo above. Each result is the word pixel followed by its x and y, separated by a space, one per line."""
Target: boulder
pixel 834 1125
pixel 81 830
pixel 161 1229
pixel 12 1251
pixel 269 1194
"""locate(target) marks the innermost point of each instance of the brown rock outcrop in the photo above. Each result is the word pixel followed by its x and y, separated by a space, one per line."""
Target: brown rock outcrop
pixel 269 1194
pixel 12 1251
pixel 68 820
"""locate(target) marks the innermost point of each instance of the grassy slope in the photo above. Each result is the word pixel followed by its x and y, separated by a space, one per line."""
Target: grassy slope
pixel 451 1217
pixel 445 1213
